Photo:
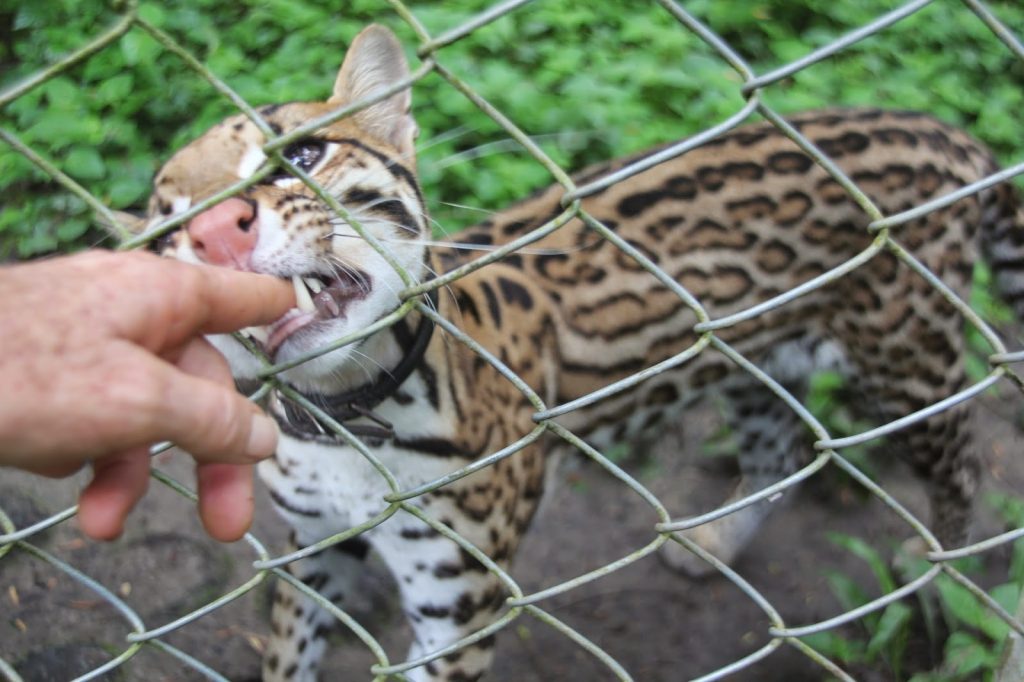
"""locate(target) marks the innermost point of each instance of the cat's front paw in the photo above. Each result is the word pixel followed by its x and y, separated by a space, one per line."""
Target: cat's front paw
pixel 680 559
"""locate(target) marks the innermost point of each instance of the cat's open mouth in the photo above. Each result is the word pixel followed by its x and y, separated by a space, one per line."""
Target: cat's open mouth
pixel 318 297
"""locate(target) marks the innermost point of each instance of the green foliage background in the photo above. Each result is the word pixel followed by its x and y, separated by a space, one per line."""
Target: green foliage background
pixel 589 80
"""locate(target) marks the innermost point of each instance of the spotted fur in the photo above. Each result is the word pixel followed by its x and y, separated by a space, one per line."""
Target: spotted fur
pixel 736 221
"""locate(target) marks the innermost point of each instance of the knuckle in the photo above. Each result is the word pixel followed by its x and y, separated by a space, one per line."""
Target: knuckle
pixel 186 285
pixel 145 393
pixel 226 426
pixel 190 278
pixel 132 394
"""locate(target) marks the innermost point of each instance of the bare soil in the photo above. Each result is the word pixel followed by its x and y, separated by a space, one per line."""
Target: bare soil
pixel 659 625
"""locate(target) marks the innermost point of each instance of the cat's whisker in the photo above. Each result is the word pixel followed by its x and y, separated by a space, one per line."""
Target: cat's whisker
pixel 466 246
pixel 448 288
pixel 362 219
pixel 356 354
pixel 343 269
pixel 440 228
pixel 355 357
pixel 508 145
pixel 441 138
pixel 466 207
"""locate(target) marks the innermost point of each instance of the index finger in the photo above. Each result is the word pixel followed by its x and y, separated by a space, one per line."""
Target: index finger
pixel 162 303
pixel 213 300
pixel 233 299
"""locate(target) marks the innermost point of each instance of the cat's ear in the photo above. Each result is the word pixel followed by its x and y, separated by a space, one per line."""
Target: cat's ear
pixel 375 61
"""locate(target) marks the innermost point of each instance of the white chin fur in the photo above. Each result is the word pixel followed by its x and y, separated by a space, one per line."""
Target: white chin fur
pixel 242 363
pixel 309 375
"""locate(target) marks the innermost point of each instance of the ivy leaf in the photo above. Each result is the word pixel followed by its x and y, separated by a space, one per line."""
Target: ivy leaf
pixel 834 645
pixel 72 229
pixel 85 163
pixel 892 626
pixel 126 191
pixel 115 89
pixel 966 655
pixel 866 552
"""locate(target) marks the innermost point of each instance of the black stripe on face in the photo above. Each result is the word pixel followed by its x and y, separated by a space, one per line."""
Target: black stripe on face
pixel 359 197
pixel 365 201
pixel 390 164
pixel 397 213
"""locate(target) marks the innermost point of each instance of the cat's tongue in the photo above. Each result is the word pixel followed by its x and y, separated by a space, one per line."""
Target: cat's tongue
pixel 316 299
pixel 285 327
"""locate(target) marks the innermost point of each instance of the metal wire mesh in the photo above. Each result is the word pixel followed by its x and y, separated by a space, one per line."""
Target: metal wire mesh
pixel 521 604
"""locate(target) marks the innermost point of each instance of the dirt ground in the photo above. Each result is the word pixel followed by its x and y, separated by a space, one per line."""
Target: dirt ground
pixel 659 625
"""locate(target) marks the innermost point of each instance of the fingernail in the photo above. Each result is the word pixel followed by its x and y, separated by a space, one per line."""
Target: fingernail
pixel 262 437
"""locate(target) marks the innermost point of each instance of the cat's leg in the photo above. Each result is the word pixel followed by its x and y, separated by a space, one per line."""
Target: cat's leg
pixel 940 451
pixel 446 595
pixel 299 625
pixel 773 443
pixel 905 368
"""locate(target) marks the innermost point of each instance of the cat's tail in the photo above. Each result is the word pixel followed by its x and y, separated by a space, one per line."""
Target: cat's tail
pixel 1002 244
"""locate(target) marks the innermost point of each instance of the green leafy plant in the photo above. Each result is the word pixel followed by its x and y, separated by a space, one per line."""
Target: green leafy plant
pixel 588 81
pixel 883 635
pixel 976 637
pixel 828 400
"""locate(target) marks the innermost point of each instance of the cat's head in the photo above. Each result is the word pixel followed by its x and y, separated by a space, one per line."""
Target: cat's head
pixel 280 227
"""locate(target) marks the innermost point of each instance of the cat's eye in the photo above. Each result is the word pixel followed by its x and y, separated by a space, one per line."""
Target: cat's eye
pixel 304 154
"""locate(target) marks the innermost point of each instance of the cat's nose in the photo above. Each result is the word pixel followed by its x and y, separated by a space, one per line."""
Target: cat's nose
pixel 225 234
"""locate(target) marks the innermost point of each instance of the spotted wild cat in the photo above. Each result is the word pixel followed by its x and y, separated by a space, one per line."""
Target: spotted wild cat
pixel 736 221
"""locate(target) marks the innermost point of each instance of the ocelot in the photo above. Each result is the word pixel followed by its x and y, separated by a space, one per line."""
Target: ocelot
pixel 736 221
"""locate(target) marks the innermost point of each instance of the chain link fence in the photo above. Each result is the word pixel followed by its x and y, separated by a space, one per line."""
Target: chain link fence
pixel 520 604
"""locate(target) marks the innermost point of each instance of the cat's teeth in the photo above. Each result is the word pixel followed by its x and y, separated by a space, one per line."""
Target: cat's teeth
pixel 314 284
pixel 302 298
pixel 257 333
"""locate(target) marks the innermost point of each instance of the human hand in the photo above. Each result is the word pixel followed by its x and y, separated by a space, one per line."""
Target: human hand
pixel 102 355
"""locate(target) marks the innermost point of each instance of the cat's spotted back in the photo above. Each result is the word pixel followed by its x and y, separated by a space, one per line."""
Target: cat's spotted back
pixel 736 222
